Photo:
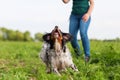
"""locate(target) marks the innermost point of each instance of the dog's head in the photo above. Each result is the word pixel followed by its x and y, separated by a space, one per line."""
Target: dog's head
pixel 57 38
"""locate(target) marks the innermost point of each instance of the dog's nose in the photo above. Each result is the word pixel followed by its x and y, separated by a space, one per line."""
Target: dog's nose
pixel 56 27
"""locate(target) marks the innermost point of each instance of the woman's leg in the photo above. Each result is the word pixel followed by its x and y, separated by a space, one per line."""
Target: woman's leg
pixel 84 37
pixel 73 30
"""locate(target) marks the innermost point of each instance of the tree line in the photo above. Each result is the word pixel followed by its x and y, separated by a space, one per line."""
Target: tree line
pixel 16 35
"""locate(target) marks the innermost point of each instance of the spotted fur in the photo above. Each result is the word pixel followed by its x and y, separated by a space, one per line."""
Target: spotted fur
pixel 55 54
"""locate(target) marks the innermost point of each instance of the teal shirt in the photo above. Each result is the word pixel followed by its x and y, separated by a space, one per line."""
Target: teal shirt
pixel 80 6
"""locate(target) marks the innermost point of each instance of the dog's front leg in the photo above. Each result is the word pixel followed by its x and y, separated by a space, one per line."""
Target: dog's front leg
pixel 54 66
pixel 56 71
pixel 48 70
pixel 63 66
pixel 73 67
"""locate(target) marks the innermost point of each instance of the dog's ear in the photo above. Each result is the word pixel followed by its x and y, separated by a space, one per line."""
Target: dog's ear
pixel 46 37
pixel 67 37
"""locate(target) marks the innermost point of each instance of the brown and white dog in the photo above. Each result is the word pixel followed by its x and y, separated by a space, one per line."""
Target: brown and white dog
pixel 54 53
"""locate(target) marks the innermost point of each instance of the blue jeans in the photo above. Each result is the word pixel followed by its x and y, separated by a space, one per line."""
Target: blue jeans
pixel 77 24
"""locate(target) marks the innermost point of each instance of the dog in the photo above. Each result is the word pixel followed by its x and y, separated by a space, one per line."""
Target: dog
pixel 55 53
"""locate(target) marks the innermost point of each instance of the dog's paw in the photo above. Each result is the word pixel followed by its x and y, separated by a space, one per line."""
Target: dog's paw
pixel 48 71
pixel 76 70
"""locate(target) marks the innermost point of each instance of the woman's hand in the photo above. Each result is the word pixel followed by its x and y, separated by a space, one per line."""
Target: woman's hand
pixel 65 1
pixel 85 17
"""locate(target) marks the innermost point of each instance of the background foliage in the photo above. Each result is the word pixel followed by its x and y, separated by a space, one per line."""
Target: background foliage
pixel 16 35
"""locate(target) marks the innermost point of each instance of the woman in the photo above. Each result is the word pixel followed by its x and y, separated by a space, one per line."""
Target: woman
pixel 79 20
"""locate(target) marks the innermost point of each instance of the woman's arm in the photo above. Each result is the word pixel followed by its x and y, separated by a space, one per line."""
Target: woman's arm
pixel 91 7
pixel 87 15
pixel 65 1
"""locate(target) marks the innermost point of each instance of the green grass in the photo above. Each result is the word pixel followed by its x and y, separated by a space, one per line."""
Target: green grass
pixel 20 61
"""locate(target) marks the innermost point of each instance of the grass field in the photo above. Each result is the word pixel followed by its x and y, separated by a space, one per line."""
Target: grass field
pixel 20 61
